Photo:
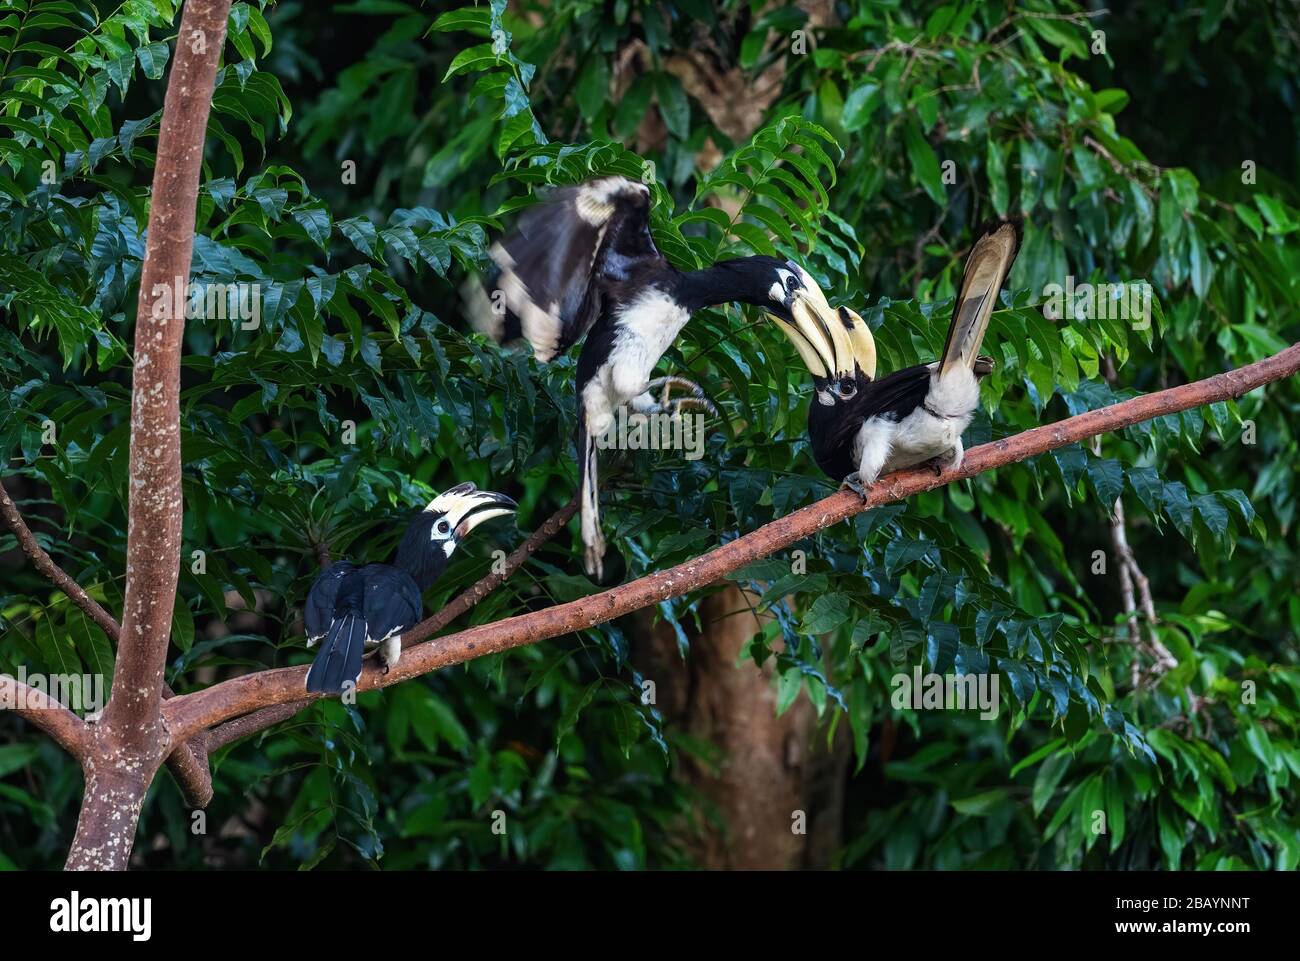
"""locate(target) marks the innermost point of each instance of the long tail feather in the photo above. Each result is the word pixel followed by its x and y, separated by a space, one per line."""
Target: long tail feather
pixel 339 658
pixel 986 270
pixel 593 541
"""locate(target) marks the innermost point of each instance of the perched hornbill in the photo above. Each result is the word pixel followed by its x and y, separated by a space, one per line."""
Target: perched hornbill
pixel 353 608
pixel 584 263
pixel 861 427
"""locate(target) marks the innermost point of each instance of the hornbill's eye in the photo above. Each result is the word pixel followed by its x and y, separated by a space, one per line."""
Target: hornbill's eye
pixel 848 388
pixel 792 283
pixel 443 527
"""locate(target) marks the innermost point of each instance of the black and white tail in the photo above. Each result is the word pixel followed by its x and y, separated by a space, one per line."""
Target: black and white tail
pixel 986 270
pixel 339 659
pixel 593 539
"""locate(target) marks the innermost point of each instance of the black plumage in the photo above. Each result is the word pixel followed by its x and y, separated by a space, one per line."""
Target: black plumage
pixel 585 264
pixel 368 605
pixel 351 608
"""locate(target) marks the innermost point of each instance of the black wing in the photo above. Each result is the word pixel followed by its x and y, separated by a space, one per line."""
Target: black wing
pixel 552 269
pixel 392 601
pixel 832 429
pixel 318 611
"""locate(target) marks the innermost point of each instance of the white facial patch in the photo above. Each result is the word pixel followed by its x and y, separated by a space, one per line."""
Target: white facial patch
pixel 777 293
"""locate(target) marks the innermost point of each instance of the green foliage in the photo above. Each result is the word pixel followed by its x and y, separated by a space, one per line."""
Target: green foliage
pixel 884 145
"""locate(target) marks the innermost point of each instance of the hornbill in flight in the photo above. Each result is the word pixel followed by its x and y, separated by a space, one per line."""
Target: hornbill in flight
pixel 861 427
pixel 351 608
pixel 584 264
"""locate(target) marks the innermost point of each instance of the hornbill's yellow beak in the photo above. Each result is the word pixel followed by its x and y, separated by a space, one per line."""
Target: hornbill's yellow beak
pixel 465 507
pixel 833 343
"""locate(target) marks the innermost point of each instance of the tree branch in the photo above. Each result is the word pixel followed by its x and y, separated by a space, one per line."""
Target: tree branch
pixel 259 720
pixel 193 712
pixel 44 712
pixel 189 762
pixel 42 561
pixel 133 740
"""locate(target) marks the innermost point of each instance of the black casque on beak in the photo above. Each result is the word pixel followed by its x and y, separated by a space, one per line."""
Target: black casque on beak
pixel 464 507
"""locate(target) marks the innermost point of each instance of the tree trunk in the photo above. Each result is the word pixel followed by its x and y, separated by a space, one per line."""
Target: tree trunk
pixel 117 778
pixel 129 744
pixel 775 797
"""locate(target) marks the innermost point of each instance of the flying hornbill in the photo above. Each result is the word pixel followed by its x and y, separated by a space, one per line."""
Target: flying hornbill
pixel 584 263
pixel 861 427
pixel 353 608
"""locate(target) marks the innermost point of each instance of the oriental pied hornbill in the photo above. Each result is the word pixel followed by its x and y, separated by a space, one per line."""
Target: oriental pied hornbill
pixel 861 427
pixel 353 608
pixel 584 263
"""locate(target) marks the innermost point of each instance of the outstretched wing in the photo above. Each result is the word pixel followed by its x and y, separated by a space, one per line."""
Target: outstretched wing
pixel 986 269
pixel 552 268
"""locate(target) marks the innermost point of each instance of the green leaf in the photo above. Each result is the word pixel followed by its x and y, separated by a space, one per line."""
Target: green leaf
pixel 826 614
pixel 925 165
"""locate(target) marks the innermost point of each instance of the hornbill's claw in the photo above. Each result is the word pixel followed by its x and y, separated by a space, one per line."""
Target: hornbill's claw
pixel 697 400
pixel 854 483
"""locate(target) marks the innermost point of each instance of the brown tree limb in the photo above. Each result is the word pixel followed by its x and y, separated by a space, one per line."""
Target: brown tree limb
pixel 259 720
pixel 132 741
pixel 45 713
pixel 42 561
pixel 155 511
pixel 189 762
pixel 263 718
pixel 193 712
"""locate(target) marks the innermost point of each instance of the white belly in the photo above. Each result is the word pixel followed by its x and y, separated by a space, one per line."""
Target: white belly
pixel 647 328
pixel 921 435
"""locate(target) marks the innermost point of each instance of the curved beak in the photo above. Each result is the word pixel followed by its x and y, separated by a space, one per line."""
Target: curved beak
pixel 831 342
pixel 465 507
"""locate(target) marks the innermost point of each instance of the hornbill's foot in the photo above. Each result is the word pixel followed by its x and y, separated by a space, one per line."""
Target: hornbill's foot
pixel 938 463
pixel 390 652
pixel 696 401
pixel 951 458
pixel 984 366
pixel 855 483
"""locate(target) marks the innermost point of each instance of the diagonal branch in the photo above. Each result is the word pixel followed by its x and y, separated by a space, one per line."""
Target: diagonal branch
pixel 42 561
pixel 193 712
